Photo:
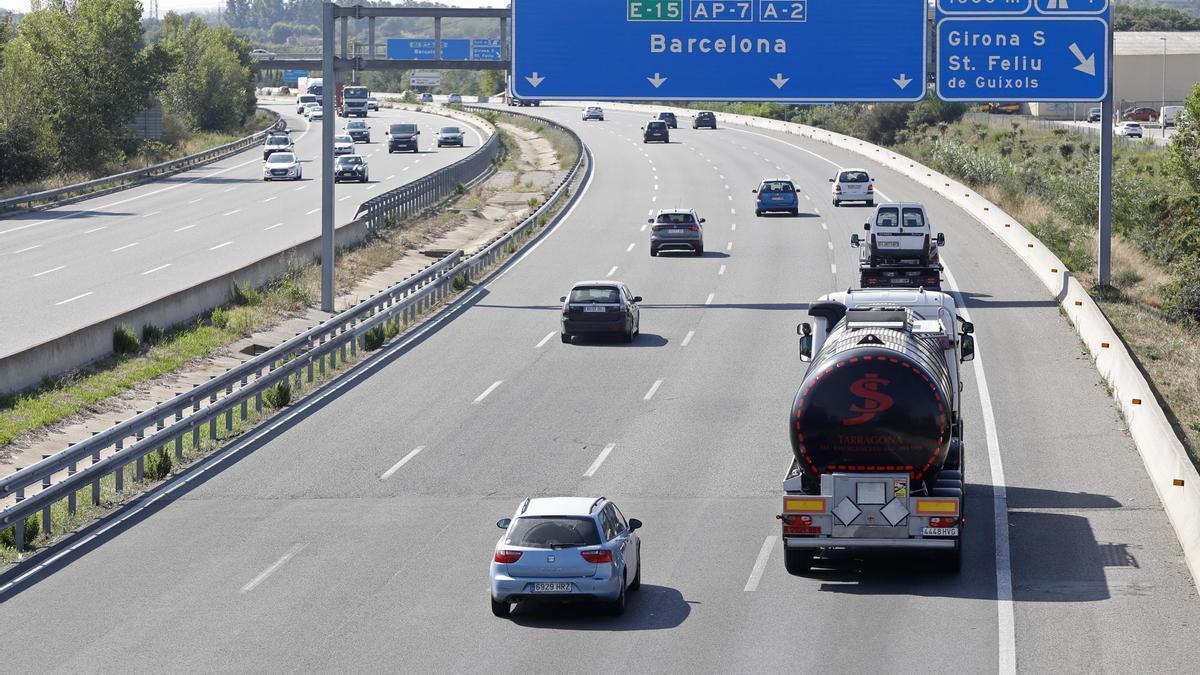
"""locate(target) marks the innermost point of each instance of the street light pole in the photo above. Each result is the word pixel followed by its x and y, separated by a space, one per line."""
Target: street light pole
pixel 1162 112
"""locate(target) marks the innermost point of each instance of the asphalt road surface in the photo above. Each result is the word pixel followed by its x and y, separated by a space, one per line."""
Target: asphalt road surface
pixel 65 268
pixel 294 554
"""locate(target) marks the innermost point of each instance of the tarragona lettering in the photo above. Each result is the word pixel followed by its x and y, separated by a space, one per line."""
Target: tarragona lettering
pixel 731 45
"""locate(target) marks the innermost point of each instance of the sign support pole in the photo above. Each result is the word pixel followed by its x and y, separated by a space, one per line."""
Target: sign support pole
pixel 329 81
pixel 1104 255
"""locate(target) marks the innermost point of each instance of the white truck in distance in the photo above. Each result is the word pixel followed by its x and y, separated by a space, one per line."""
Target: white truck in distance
pixel 875 427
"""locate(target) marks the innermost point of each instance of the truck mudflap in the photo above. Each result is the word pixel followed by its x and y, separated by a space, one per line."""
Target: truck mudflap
pixel 870 511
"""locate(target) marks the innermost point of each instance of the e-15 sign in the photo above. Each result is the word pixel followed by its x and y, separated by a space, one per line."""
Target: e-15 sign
pixel 654 10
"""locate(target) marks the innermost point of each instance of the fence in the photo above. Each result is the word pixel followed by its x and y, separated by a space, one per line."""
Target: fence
pixel 304 358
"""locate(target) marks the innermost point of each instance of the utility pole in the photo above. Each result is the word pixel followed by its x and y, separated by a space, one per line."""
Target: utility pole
pixel 1162 116
pixel 328 121
pixel 1104 255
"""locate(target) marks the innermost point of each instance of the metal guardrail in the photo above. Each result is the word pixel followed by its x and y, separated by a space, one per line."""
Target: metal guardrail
pixel 122 179
pixel 303 358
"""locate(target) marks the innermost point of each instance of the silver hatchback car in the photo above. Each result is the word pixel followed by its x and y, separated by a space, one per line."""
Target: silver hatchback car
pixel 676 229
pixel 566 549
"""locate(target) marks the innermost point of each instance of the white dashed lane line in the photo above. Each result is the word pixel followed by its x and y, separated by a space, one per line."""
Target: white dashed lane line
pixel 78 297
pixel 487 391
pixel 271 227
pixel 687 338
pixel 122 248
pixel 544 340
pixel 156 269
pixel 396 467
pixel 29 248
pixel 220 246
pixel 599 460
pixel 611 272
pixel 185 227
pixel 630 248
pixel 52 269
pixel 653 388
pixel 96 229
pixel 709 299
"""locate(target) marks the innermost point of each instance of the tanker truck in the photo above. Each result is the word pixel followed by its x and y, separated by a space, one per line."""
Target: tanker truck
pixel 876 434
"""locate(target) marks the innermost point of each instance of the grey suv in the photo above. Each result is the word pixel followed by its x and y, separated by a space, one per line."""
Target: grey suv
pixel 656 131
pixel 676 229
pixel 600 307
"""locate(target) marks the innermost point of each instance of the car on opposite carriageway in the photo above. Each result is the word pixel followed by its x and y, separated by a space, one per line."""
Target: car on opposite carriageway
pixel 675 229
pixel 601 307
pixel 566 549
pixel 776 194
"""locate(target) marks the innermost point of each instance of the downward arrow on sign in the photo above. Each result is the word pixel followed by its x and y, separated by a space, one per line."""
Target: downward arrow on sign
pixel 657 80
pixel 901 81
pixel 780 80
pixel 1087 65
pixel 535 80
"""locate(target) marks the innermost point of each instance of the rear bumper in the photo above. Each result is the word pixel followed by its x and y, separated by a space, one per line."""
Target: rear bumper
pixel 584 589
pixel 776 206
pixel 576 327
pixel 845 542
pixel 678 244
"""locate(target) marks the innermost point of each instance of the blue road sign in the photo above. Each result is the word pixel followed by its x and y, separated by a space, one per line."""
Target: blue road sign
pixel 293 76
pixel 1022 50
pixel 423 49
pixel 725 50
pixel 485 49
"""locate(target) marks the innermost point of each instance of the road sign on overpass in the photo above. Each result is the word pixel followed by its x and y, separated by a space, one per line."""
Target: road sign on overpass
pixel 1022 50
pixel 453 49
pixel 761 50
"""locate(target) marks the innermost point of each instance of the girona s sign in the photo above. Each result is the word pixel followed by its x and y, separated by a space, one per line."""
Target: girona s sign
pixel 873 401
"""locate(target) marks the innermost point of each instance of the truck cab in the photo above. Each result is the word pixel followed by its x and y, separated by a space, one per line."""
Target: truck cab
pixel 352 100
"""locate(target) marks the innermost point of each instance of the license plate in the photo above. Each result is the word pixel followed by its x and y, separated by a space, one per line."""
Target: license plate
pixel 939 531
pixel 595 309
pixel 899 281
pixel 551 588
pixel 676 231
pixel 889 244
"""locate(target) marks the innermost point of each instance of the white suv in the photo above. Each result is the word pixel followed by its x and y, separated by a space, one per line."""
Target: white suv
pixel 899 235
pixel 853 185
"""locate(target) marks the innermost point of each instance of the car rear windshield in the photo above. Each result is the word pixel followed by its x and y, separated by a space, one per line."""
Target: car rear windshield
pixel 595 294
pixel 704 114
pixel 656 126
pixel 854 177
pixel 666 116
pixel 888 217
pixel 676 218
pixel 553 532
pixel 308 98
pixel 450 130
pixel 352 160
pixel 778 186
pixel 914 218
pixel 404 129
pixel 277 140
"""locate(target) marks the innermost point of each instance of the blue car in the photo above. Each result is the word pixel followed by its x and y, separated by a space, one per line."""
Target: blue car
pixel 566 549
pixel 777 194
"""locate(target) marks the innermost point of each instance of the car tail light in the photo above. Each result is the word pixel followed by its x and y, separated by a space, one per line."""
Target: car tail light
pixel 870 187
pixel 837 187
pixel 927 242
pixel 929 282
pixel 872 281
pixel 506 557
pixel 694 227
pixel 601 556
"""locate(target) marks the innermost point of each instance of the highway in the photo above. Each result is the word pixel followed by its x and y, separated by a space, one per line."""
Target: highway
pixel 65 268
pixel 356 535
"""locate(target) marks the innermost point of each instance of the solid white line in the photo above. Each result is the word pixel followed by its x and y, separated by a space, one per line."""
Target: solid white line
pixel 687 338
pixel 271 570
pixel 81 295
pixel 122 248
pixel 544 340
pixel 96 229
pixel 313 211
pixel 612 271
pixel 52 269
pixel 760 564
pixel 721 271
pixel 231 213
pixel 630 248
pixel 487 391
pixel 186 227
pixel 1004 597
pixel 220 246
pixel 270 199
pixel 152 213
pixel 271 227
pixel 396 467
pixel 599 460
pixel 160 267
pixel 196 200
pixel 653 388
pixel 27 249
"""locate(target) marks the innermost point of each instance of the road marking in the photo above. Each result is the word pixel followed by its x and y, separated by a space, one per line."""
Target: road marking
pixel 653 388
pixel 808 198
pixel 599 460
pixel 225 215
pixel 644 227
pixel 122 248
pixel 733 226
pixel 229 189
pixel 396 467
pixel 816 211
pixel 760 564
pixel 96 229
pixel 729 246
pixel 404 169
pixel 152 213
pixel 197 200
pixel 156 269
pixel 721 176
pixel 727 186
pixel 487 391
pixel 687 338
pixel 342 199
pixel 81 295
pixel 649 212
pixel 394 175
pixel 833 268
pixel 824 226
pixel 721 271
pixel 271 227
pixel 730 197
pixel 630 248
pixel 829 244
pixel 52 269
pixel 269 199
pixel 656 186
pixel 273 568
pixel 709 299
pixel 313 211
pixel 733 212
pixel 220 246
pixel 27 249
pixel 372 186
pixel 611 272
pixel 654 198
pixel 300 188
pixel 186 227
pixel 544 340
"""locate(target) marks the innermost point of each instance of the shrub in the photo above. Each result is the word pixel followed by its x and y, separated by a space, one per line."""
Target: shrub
pixel 460 282
pixel 33 527
pixel 533 202
pixel 391 329
pixel 158 464
pixel 124 341
pixel 374 338
pixel 151 334
pixel 244 296
pixel 279 395
pixel 1181 298
pixel 459 189
pixel 220 318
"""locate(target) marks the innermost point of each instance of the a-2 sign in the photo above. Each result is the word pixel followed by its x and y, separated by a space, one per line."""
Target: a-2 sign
pixel 757 50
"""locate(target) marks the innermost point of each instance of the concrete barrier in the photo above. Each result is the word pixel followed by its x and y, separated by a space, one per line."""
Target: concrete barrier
pixel 1170 468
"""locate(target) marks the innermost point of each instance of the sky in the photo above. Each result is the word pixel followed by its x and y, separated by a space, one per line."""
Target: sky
pixel 165 6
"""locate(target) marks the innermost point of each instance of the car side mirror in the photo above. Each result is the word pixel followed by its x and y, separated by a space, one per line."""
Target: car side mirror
pixel 649 220
pixel 941 239
pixel 503 523
pixel 830 180
pixel 806 345
pixel 634 524
pixel 855 241
pixel 637 298
pixel 967 346
pixel 754 191
pixel 803 329
pixel 563 299
pixel 704 220
pixel 867 227
pixel 968 328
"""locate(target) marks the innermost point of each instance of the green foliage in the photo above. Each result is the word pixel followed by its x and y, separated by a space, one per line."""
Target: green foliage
pixel 460 282
pixel 459 189
pixel 374 338
pixel 220 318
pixel 244 295
pixel 158 464
pixel 1181 298
pixel 1184 162
pixel 1069 248
pixel 33 527
pixel 124 341
pixel 491 82
pixel 279 395
pixel 212 85
pixel 1127 17
pixel 151 334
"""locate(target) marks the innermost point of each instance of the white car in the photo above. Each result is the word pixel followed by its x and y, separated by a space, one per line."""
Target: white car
pixel 372 103
pixel 259 54
pixel 303 101
pixel 593 113
pixel 307 108
pixel 316 114
pixel 853 185
pixel 343 144
pixel 1128 129
pixel 454 98
pixel 282 166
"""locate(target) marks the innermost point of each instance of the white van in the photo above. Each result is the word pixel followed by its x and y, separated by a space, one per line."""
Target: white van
pixel 304 99
pixel 1169 113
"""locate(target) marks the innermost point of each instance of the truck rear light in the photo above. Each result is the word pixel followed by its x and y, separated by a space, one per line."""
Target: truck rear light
pixel 601 556
pixel 872 281
pixel 943 522
pixel 929 282
pixel 507 557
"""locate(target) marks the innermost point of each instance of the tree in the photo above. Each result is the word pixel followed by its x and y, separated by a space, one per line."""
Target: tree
pixel 1184 158
pixel 491 82
pixel 1132 18
pixel 212 86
